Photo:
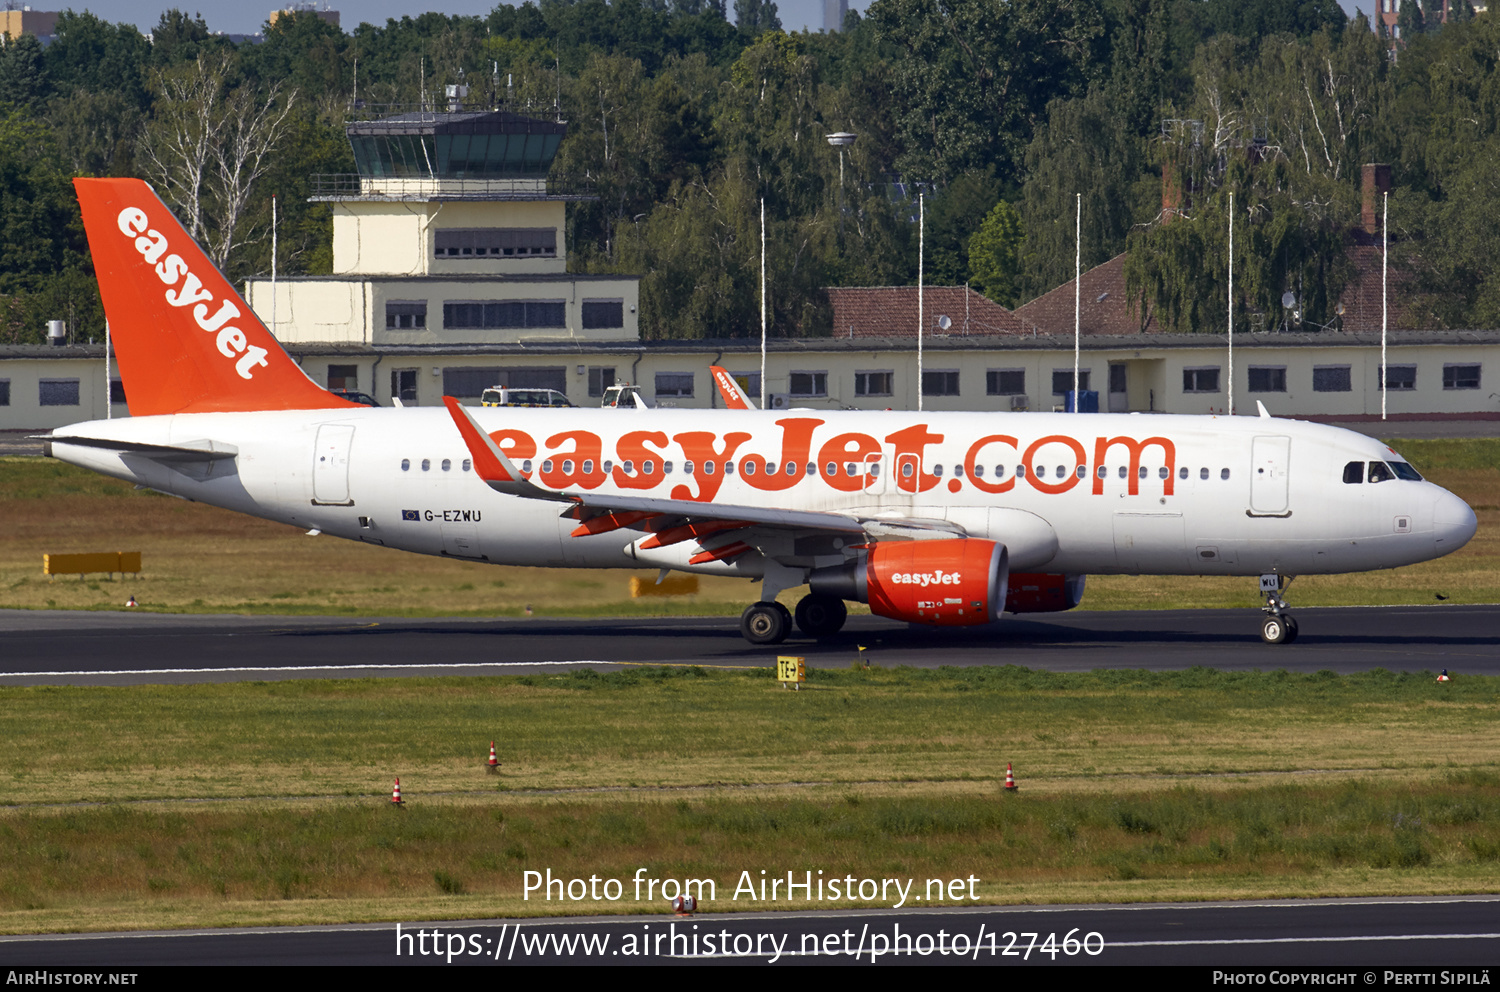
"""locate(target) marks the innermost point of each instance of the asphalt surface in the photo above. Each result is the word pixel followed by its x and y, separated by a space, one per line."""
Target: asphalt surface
pixel 65 648
pixel 1458 933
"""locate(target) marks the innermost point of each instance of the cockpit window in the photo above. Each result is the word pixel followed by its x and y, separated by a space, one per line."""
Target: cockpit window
pixel 1354 473
pixel 1404 470
pixel 1380 472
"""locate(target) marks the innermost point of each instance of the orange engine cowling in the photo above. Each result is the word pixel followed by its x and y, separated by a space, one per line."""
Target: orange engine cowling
pixel 1038 592
pixel 947 583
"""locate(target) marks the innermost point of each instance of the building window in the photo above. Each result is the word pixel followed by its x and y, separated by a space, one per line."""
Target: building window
pixel 344 377
pixel 873 383
pixel 674 384
pixel 406 315
pixel 469 382
pixel 1268 378
pixel 1005 382
pixel 940 382
pixel 58 392
pixel 496 242
pixel 404 385
pixel 1460 376
pixel 749 382
pixel 809 384
pixel 1201 380
pixel 603 313
pixel 117 391
pixel 4 392
pixel 487 315
pixel 600 379
pixel 1399 377
pixel 1062 381
pixel 1331 379
pixel 1117 379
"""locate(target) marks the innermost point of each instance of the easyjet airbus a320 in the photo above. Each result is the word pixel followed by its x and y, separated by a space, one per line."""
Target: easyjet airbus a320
pixel 935 518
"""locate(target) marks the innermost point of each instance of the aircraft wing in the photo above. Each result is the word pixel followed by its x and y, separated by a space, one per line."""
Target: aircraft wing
pixel 674 520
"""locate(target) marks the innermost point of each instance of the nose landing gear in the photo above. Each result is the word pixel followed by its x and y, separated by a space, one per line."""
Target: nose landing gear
pixel 1279 626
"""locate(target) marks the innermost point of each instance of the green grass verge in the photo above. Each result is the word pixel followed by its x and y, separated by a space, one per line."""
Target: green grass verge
pixel 259 803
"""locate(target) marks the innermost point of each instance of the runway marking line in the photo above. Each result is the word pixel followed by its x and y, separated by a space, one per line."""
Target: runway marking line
pixel 762 916
pixel 366 668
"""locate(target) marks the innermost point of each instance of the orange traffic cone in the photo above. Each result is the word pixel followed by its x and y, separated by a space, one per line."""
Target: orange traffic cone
pixel 131 601
pixel 1443 677
pixel 396 799
pixel 1010 778
pixel 494 762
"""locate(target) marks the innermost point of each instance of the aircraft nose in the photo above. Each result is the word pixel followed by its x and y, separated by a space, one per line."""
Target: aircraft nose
pixel 1453 523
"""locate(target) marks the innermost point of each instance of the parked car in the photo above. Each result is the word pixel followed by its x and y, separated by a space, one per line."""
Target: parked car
pixel 354 397
pixel 502 396
pixel 624 396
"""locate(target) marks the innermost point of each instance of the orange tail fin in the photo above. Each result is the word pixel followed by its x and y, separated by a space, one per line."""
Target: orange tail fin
pixel 185 340
pixel 734 396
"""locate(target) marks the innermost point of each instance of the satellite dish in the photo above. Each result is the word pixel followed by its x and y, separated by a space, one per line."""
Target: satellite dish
pixel 1288 299
pixel 944 323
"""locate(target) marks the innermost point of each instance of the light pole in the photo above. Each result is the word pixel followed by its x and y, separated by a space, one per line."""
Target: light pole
pixel 841 140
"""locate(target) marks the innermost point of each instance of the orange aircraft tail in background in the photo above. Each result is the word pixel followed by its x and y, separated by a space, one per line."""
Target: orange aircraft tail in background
pixel 734 396
pixel 185 340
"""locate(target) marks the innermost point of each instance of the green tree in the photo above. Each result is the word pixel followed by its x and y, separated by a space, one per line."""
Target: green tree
pixel 756 17
pixel 23 80
pixel 953 215
pixel 973 77
pixel 45 270
pixel 995 255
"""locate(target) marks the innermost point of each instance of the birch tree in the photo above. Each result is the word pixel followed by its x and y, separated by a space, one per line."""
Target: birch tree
pixel 208 144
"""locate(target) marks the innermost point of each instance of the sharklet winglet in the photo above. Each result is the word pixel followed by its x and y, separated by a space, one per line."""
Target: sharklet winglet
pixel 491 464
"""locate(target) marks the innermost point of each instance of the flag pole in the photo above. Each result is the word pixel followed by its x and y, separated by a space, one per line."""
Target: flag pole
pixel 1230 387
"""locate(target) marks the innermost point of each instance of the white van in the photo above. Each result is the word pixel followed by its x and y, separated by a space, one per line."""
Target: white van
pixel 501 396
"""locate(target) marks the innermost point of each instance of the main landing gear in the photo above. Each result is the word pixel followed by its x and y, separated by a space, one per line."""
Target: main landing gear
pixel 769 622
pixel 1279 626
pixel 765 623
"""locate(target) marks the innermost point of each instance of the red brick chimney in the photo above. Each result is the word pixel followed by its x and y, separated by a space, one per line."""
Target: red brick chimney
pixel 1375 183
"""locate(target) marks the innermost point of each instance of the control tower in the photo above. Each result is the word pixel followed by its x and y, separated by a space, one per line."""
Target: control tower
pixel 452 233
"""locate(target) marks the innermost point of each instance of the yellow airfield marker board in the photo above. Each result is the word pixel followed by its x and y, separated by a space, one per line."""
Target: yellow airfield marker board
pixel 791 671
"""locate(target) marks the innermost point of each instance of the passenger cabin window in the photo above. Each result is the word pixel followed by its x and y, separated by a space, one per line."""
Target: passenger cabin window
pixel 1354 473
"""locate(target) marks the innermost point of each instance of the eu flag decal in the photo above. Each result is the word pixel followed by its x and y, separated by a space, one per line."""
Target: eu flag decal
pixel 410 515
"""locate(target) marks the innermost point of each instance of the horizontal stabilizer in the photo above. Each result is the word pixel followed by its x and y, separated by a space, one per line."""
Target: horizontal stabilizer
pixel 188 451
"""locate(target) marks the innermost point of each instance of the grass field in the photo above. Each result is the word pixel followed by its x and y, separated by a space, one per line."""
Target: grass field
pixel 261 803
pixel 200 559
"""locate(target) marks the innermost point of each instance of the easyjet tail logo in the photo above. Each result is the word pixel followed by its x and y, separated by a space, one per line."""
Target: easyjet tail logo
pixel 187 290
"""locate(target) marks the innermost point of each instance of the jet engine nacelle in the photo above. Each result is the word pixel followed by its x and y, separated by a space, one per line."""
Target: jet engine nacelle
pixel 946 583
pixel 1038 592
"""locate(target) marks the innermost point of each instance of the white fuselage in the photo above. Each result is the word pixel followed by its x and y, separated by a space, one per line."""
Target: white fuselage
pixel 1176 494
